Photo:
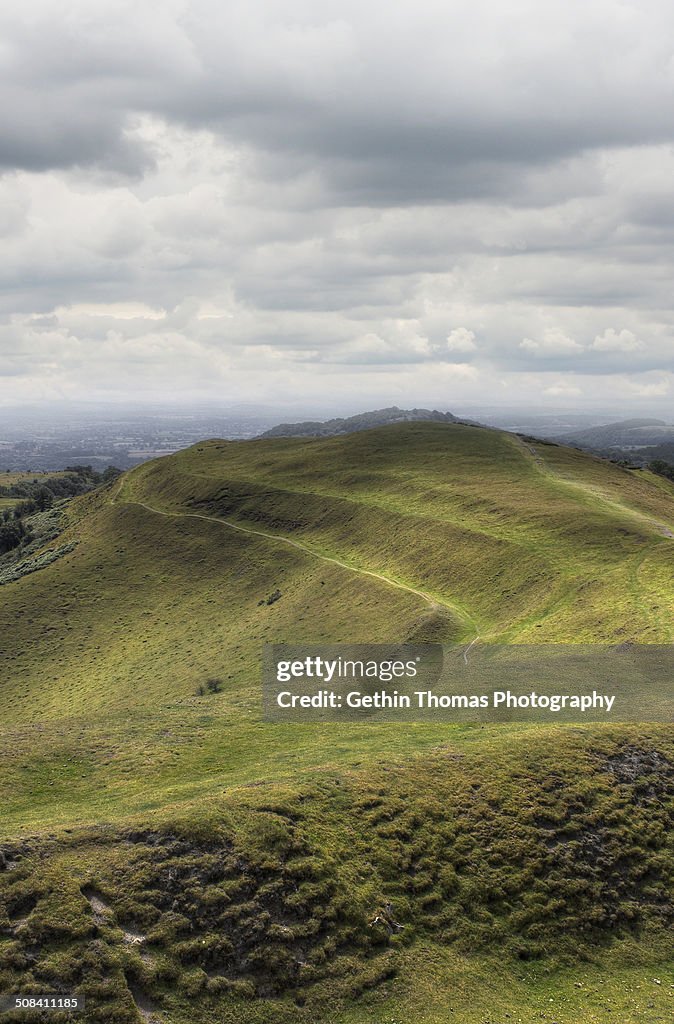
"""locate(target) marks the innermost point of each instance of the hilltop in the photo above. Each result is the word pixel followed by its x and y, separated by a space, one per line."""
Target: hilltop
pixel 171 853
pixel 362 421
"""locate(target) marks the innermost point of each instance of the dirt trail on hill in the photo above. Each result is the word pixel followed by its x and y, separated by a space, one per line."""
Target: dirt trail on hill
pixel 434 603
pixel 613 506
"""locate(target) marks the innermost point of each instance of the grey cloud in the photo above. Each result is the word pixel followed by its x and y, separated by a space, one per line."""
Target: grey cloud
pixel 296 189
pixel 37 138
pixel 430 103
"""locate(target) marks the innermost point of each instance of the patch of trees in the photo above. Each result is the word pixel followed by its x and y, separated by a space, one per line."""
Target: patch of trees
pixel 662 468
pixel 39 494
pixel 13 531
pixel 43 491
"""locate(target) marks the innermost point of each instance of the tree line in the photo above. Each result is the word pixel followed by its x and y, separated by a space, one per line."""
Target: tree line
pixel 39 494
pixel 662 468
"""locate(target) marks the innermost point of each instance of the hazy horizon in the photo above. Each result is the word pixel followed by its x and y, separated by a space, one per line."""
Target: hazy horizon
pixel 326 409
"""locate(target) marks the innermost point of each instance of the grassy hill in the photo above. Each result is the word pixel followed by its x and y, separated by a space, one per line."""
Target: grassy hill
pixel 176 856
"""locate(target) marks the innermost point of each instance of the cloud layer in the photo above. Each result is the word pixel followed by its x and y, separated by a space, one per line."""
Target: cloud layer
pixel 412 202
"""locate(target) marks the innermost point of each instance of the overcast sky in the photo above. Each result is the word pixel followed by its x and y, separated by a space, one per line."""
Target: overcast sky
pixel 419 201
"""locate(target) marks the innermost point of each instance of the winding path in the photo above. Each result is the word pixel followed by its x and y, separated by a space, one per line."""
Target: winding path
pixel 434 603
pixel 595 493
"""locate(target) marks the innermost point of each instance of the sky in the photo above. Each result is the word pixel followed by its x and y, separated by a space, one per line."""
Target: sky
pixel 326 204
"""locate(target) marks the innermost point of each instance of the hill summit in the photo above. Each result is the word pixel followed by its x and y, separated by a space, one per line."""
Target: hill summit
pixel 362 421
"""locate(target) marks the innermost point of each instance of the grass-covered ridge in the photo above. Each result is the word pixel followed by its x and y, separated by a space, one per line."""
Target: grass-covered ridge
pixel 513 537
pixel 524 854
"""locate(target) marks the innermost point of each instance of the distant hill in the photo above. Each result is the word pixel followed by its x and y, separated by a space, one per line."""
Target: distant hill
pixel 626 434
pixel 363 421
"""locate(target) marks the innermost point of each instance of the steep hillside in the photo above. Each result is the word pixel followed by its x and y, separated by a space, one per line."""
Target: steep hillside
pixel 169 851
pixel 509 537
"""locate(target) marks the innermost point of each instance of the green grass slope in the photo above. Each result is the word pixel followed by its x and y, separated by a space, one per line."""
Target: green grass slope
pixel 507 536
pixel 174 855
